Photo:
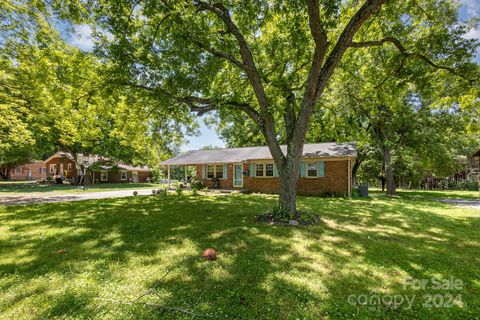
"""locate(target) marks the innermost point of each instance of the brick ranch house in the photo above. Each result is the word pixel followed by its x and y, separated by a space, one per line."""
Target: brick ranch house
pixel 31 171
pixel 325 168
pixel 63 165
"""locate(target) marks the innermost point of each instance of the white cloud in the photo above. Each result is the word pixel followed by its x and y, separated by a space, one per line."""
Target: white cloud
pixel 472 34
pixel 472 7
pixel 82 37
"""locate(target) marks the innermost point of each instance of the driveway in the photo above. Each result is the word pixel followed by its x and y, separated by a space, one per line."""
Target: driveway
pixel 26 198
pixel 463 202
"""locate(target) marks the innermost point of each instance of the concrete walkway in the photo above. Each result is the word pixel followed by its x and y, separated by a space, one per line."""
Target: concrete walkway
pixel 463 202
pixel 26 198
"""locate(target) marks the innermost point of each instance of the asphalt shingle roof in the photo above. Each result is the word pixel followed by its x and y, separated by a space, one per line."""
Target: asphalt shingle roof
pixel 314 150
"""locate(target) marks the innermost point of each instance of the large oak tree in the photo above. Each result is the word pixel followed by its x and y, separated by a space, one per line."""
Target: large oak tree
pixel 269 60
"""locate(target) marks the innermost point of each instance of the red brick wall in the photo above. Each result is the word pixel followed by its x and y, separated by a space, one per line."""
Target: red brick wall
pixel 65 161
pixel 25 168
pixel 116 177
pixel 335 180
pixel 113 177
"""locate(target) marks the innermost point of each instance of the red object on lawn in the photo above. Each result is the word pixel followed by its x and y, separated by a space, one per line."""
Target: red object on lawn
pixel 210 254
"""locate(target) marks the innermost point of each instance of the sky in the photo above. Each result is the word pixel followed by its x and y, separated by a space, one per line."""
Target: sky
pixel 82 39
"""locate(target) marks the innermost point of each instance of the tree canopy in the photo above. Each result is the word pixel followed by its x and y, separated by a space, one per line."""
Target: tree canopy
pixel 270 61
pixel 56 97
pixel 275 68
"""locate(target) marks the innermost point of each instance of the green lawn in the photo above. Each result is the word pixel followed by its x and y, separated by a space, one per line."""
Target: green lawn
pixel 120 248
pixel 66 188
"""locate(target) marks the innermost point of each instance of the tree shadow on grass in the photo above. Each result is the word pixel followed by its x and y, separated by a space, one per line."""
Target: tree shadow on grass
pixel 398 238
pixel 263 271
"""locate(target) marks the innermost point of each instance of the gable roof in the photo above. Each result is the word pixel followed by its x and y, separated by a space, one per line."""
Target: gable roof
pixel 120 165
pixel 126 167
pixel 314 150
pixel 59 154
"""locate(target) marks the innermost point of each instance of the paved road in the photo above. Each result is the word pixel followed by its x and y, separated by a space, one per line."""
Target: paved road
pixel 463 202
pixel 25 198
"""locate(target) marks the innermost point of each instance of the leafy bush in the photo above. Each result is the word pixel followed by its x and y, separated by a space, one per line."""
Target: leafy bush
pixel 469 185
pixel 280 213
pixel 194 192
pixel 196 184
pixel 179 189
pixel 449 184
pixel 355 193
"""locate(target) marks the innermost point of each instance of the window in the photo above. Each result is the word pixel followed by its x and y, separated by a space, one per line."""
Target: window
pixel 312 169
pixel 219 171
pixel 264 169
pixel 269 170
pixel 103 176
pixel 210 172
pixel 53 168
pixel 69 167
pixel 18 170
pixel 215 171
pixel 259 170
pixel 43 170
pixel 123 175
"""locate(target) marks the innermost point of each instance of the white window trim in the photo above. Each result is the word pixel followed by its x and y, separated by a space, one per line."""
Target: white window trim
pixel 214 171
pixel 69 167
pixel 121 175
pixel 265 169
pixel 53 168
pixel 306 169
pixel 43 170
pixel 18 170
pixel 101 176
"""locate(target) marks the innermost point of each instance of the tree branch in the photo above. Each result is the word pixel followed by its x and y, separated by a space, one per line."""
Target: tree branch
pixel 344 41
pixel 218 53
pixel 222 12
pixel 335 56
pixel 321 45
pixel 268 122
pixel 406 53
pixel 203 105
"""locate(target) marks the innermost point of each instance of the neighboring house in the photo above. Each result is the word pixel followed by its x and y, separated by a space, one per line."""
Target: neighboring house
pixel 32 171
pixel 63 165
pixel 123 173
pixel 325 168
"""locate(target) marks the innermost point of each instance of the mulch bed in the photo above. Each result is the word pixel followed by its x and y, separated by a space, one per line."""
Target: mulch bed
pixel 308 220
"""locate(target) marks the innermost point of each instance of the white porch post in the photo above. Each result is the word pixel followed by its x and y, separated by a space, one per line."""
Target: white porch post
pixel 185 173
pixel 168 170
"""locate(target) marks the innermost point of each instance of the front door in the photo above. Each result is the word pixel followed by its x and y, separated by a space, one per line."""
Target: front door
pixel 238 175
pixel 135 177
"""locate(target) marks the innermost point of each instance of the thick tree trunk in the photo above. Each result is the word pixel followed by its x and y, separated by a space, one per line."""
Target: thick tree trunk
pixel 389 177
pixel 355 167
pixel 288 184
pixel 5 173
